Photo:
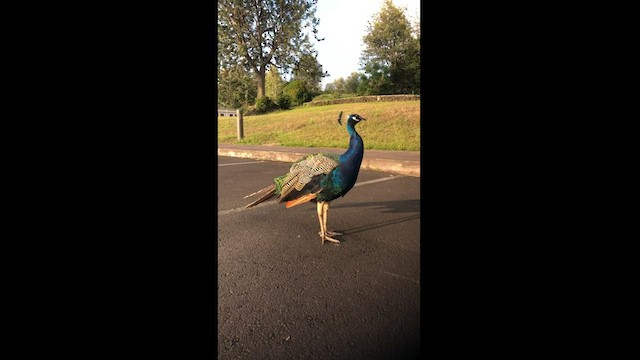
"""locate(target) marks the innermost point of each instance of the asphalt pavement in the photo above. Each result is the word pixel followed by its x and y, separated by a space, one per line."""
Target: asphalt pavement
pixel 284 295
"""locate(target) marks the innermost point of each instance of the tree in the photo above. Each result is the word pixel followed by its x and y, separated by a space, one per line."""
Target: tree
pixel 309 71
pixel 391 58
pixel 273 83
pixel 338 85
pixel 265 33
pixel 378 79
pixel 350 85
pixel 297 91
pixel 352 82
pixel 329 88
pixel 235 88
pixel 416 29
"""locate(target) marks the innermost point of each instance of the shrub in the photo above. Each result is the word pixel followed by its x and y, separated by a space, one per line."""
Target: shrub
pixel 284 102
pixel 298 92
pixel 264 105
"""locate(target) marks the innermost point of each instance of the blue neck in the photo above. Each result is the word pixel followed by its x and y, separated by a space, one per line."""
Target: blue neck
pixel 352 158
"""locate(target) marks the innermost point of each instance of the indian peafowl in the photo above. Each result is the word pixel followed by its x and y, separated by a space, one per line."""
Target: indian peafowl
pixel 319 178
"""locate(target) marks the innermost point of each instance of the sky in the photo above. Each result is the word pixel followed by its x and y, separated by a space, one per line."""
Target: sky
pixel 343 24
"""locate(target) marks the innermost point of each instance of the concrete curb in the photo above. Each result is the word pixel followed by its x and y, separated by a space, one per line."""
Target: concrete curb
pixel 401 167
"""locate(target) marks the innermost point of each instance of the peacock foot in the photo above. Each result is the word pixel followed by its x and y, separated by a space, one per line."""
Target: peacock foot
pixel 324 237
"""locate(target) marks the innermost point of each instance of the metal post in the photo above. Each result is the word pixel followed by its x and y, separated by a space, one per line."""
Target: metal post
pixel 240 129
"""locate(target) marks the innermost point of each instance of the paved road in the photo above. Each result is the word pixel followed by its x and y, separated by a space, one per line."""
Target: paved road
pixel 283 295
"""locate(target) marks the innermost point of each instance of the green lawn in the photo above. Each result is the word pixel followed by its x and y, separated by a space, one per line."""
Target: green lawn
pixel 393 125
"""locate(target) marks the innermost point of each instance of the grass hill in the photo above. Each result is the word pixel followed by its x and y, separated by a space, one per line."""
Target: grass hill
pixel 389 126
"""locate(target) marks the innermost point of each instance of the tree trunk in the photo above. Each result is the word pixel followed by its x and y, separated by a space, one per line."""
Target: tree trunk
pixel 260 77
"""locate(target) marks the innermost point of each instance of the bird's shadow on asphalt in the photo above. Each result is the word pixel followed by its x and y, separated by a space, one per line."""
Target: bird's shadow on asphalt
pixel 394 206
pixel 358 229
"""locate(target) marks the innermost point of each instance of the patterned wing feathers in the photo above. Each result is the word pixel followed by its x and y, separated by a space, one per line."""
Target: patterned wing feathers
pixel 288 184
pixel 301 184
pixel 303 171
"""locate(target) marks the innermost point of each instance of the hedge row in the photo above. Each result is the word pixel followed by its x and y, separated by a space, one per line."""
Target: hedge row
pixel 358 99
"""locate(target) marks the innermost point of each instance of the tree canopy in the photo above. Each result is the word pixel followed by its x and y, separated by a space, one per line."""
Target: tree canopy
pixel 236 88
pixel 309 71
pixel 391 58
pixel 262 33
pixel 273 83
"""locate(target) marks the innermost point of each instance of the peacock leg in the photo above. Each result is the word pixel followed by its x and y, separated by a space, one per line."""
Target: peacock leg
pixel 320 213
pixel 325 212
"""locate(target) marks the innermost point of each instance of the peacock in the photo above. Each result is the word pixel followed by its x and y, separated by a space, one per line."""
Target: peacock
pixel 319 178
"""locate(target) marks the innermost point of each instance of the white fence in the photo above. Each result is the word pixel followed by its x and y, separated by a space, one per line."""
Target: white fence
pixel 227 112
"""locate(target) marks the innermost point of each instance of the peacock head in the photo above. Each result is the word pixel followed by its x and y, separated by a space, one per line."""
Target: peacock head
pixel 354 119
